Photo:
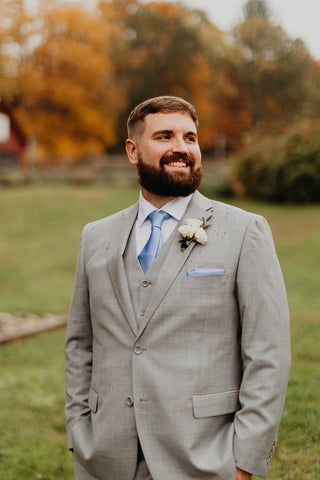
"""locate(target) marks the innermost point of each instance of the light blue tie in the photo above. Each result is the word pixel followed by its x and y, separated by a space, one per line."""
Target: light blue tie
pixel 155 242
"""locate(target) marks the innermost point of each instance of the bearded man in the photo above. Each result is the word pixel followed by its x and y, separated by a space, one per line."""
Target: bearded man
pixel 177 348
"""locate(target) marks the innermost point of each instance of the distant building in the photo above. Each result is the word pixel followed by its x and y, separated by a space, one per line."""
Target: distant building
pixel 13 140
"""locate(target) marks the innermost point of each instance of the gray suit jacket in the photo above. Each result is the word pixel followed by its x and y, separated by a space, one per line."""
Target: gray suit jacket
pixel 202 381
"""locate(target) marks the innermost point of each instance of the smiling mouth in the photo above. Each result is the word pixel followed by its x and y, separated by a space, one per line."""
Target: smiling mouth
pixel 179 164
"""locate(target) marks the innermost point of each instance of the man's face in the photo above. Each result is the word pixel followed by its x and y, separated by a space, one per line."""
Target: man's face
pixel 168 155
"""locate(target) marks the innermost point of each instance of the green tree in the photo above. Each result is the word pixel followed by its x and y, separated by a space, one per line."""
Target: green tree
pixel 257 8
pixel 270 69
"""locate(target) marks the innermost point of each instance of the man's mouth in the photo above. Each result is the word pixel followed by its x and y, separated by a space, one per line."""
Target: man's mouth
pixel 178 164
pixel 177 160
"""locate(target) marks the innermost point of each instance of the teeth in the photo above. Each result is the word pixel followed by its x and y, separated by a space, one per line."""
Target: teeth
pixel 177 164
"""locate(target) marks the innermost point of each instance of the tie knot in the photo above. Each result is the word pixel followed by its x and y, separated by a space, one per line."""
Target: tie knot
pixel 156 218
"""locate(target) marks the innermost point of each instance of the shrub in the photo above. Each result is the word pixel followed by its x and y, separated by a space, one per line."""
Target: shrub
pixel 282 168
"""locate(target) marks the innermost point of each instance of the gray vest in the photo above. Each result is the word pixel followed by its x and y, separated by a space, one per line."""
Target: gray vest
pixel 141 284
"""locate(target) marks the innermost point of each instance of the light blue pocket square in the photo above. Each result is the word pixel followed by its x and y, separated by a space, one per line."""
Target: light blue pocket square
pixel 198 272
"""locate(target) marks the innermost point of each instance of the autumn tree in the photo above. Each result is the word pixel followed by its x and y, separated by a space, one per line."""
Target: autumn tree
pixel 73 75
pixel 17 32
pixel 64 90
pixel 163 52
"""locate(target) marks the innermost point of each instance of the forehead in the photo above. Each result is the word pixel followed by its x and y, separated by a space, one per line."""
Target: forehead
pixel 174 121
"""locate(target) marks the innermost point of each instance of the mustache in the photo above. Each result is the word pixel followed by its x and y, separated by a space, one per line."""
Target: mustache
pixel 176 157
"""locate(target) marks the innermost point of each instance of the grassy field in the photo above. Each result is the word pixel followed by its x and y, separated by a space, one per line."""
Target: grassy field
pixel 41 227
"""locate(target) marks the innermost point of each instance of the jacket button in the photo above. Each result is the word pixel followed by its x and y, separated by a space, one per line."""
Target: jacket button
pixel 130 401
pixel 138 349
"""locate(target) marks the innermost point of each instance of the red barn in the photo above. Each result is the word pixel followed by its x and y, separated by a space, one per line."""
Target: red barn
pixel 13 140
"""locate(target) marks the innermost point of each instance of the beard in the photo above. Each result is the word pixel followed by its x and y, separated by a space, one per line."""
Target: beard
pixel 170 184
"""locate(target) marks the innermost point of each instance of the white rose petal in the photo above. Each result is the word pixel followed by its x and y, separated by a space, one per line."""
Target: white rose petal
pixel 187 231
pixel 193 222
pixel 200 236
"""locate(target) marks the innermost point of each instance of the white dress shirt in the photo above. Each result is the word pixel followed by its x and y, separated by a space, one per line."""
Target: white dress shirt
pixel 176 208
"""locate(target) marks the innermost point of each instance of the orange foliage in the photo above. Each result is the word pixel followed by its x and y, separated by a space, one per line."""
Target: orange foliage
pixel 68 98
pixel 73 75
pixel 166 9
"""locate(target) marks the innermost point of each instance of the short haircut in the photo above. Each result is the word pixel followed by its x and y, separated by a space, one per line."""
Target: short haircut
pixel 163 104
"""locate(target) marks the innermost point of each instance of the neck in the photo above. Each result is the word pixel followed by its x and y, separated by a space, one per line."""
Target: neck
pixel 154 199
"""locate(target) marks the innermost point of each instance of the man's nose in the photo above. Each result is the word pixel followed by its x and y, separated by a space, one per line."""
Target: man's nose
pixel 179 145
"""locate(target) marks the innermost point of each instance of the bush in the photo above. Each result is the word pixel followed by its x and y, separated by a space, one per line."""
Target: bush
pixel 282 168
pixel 215 183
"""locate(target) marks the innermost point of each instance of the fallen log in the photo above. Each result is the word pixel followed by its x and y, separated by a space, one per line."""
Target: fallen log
pixel 26 329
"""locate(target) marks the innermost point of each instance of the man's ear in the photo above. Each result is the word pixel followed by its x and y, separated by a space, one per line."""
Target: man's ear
pixel 132 151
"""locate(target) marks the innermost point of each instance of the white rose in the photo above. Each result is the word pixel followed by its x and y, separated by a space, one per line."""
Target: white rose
pixel 200 236
pixel 187 231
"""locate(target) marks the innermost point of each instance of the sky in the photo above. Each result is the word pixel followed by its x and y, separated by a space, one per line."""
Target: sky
pixel 299 18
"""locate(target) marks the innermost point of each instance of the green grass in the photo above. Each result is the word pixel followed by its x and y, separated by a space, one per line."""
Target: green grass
pixel 42 226
pixel 32 427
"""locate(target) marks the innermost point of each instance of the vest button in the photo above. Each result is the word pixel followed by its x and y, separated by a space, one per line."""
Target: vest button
pixel 142 313
pixel 145 283
pixel 130 402
pixel 138 349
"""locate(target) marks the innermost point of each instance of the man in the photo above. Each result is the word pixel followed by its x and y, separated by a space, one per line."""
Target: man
pixel 177 358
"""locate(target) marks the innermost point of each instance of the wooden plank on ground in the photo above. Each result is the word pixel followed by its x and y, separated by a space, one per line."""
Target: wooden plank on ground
pixel 27 329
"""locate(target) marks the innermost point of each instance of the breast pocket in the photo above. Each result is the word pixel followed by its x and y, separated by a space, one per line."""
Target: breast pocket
pixel 203 284
pixel 220 279
pixel 206 272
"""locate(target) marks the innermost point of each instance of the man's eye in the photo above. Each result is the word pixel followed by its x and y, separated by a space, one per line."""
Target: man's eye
pixel 164 137
pixel 191 139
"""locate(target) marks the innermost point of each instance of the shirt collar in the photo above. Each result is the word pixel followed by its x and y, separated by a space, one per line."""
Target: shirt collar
pixel 175 208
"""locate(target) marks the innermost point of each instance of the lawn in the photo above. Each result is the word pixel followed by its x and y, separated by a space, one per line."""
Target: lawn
pixel 41 228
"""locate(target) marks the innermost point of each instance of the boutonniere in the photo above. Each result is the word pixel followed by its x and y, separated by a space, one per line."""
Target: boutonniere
pixel 193 230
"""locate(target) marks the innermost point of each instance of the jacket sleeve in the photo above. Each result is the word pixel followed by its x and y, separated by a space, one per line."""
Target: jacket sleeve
pixel 265 349
pixel 78 347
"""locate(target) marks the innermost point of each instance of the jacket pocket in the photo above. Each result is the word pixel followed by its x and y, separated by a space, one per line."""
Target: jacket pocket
pixel 202 272
pixel 215 404
pixel 93 400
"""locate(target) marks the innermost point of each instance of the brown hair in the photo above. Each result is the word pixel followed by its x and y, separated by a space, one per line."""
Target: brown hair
pixel 163 104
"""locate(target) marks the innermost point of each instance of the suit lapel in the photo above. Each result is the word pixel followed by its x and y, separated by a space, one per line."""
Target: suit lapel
pixel 115 264
pixel 174 259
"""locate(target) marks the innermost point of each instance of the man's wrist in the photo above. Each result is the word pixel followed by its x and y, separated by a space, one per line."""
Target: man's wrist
pixel 242 475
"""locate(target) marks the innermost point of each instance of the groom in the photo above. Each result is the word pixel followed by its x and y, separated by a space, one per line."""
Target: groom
pixel 177 349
